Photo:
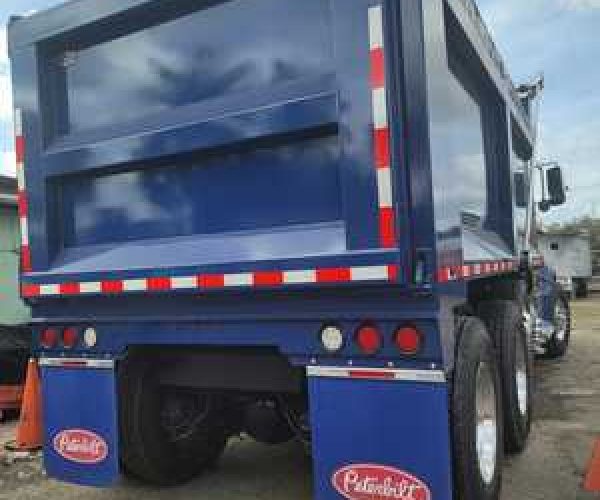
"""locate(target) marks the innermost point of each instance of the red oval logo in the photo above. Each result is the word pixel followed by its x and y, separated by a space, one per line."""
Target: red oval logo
pixel 372 482
pixel 80 446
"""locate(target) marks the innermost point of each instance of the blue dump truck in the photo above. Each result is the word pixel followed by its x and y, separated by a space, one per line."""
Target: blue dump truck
pixel 291 219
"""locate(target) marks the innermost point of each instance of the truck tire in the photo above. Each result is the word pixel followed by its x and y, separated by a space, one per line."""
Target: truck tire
pixel 153 448
pixel 505 322
pixel 476 416
pixel 559 343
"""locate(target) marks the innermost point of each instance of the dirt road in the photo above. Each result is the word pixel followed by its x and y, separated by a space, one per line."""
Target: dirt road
pixel 552 468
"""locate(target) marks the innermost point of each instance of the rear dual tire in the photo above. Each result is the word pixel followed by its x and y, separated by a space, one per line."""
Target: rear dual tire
pixel 168 437
pixel 476 415
pixel 506 326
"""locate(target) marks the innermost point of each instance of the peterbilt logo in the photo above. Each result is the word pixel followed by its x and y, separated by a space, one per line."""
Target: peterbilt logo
pixel 80 446
pixel 374 482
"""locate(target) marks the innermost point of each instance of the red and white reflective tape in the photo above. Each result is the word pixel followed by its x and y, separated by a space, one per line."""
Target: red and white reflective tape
pixel 381 131
pixel 475 270
pixel 23 208
pixel 105 364
pixel 385 273
pixel 429 376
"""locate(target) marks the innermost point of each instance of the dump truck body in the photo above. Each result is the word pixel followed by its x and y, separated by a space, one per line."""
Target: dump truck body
pixel 283 218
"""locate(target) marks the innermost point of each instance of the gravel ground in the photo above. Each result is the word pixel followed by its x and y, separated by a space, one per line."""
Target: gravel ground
pixel 552 467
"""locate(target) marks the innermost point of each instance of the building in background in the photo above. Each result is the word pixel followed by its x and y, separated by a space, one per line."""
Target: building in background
pixel 15 336
pixel 569 254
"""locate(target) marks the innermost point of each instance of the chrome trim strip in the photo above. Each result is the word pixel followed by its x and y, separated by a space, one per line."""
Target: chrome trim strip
pixel 106 364
pixel 429 376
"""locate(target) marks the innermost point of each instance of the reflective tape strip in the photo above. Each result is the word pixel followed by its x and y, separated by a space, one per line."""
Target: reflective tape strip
pixel 268 278
pixel 107 364
pixel 370 273
pixel 18 122
pixel 49 290
pixel 247 280
pixel 24 231
pixel 380 120
pixel 135 285
pixel 427 376
pixel 384 187
pixel 455 273
pixel 20 176
pixel 300 277
pixel 90 287
pixel 25 258
pixel 23 205
pixel 381 130
pixel 184 282
pixel 241 279
pixel 376 27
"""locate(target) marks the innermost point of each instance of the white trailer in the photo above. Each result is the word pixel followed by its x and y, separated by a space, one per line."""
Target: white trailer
pixel 569 254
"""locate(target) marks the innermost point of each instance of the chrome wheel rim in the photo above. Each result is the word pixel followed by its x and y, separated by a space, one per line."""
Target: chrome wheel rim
pixel 486 423
pixel 560 320
pixel 521 374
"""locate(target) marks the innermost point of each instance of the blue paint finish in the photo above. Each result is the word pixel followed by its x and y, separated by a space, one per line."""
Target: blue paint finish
pixel 398 424
pixel 80 398
pixel 193 138
pixel 285 141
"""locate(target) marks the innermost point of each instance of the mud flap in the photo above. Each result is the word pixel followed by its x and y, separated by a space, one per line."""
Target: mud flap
pixel 80 421
pixel 380 434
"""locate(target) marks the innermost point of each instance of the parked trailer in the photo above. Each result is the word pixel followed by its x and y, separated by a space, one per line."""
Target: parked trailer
pixel 294 229
pixel 570 255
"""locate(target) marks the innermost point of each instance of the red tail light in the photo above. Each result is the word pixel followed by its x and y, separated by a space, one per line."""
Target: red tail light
pixel 408 340
pixel 369 339
pixel 69 337
pixel 48 338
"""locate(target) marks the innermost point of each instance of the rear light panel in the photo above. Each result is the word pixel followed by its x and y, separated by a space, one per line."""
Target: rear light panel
pixel 371 339
pixel 68 337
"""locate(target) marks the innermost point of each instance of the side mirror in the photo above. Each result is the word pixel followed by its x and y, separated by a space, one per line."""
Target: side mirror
pixel 521 190
pixel 556 186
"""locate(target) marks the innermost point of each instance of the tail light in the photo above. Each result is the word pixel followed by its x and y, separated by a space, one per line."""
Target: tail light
pixel 332 338
pixel 69 337
pixel 90 337
pixel 49 338
pixel 408 340
pixel 369 339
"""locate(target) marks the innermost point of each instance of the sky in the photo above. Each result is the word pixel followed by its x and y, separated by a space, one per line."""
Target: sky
pixel 558 37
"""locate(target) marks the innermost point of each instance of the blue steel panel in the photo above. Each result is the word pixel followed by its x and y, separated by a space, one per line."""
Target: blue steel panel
pixel 256 190
pixel 77 399
pixel 332 95
pixel 403 425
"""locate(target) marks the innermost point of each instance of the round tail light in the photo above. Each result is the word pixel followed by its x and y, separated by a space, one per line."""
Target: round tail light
pixel 332 338
pixel 369 339
pixel 90 337
pixel 408 340
pixel 48 338
pixel 69 337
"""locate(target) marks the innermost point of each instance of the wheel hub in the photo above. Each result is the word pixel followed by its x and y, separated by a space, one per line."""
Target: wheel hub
pixel 521 375
pixel 560 321
pixel 486 422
